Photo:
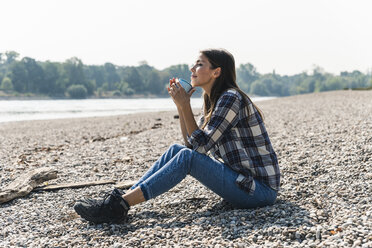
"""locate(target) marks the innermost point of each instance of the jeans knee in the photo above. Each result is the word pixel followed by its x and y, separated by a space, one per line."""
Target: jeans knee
pixel 186 156
pixel 176 147
pixel 186 151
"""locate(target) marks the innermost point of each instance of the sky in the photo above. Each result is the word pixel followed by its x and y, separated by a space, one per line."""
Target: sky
pixel 288 36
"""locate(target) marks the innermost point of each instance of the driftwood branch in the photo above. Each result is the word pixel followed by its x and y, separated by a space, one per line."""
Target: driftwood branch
pixel 31 181
pixel 26 183
pixel 125 184
pixel 120 185
pixel 72 185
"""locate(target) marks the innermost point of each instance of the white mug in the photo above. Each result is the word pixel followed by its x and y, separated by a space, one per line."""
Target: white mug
pixel 186 85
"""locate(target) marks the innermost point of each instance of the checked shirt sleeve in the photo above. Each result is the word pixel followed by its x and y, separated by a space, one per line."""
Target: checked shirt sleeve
pixel 224 117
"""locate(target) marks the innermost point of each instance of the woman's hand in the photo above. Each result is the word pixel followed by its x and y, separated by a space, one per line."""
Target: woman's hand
pixel 180 97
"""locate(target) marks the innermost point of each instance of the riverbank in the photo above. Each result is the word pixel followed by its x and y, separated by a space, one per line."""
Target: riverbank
pixel 30 97
pixel 323 142
pixel 62 109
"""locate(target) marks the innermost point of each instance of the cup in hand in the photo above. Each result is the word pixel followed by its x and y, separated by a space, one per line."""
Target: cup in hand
pixel 186 85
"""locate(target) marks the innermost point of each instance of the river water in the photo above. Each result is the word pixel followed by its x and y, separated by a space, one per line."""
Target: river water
pixel 15 110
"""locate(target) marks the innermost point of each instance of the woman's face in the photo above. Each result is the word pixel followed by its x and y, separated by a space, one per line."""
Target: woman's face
pixel 202 74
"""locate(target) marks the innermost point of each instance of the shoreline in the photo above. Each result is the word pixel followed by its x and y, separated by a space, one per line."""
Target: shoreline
pixel 322 140
pixel 38 98
pixel 61 109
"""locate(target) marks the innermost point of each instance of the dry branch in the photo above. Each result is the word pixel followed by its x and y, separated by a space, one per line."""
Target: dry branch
pixel 125 184
pixel 31 180
pixel 73 185
pixel 120 185
pixel 24 184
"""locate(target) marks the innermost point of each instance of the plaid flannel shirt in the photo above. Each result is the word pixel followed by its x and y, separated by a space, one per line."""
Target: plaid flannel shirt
pixel 240 140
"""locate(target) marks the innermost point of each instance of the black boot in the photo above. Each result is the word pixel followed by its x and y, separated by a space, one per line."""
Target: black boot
pixel 111 209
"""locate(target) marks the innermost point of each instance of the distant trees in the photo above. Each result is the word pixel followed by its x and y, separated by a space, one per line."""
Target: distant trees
pixel 275 85
pixel 77 91
pixel 10 56
pixel 6 84
pixel 246 74
pixel 73 74
pixel 52 84
pixel 74 79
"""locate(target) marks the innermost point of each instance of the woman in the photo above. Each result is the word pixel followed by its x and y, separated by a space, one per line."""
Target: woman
pixel 228 151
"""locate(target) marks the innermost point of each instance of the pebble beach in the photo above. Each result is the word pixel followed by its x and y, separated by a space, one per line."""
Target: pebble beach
pixel 323 142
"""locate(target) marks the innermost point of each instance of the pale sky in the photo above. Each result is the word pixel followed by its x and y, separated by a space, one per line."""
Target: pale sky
pixel 289 36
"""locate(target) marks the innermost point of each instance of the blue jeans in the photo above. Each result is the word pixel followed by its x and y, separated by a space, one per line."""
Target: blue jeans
pixel 179 161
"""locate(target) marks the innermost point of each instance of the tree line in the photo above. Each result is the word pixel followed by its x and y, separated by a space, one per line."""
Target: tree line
pixel 73 79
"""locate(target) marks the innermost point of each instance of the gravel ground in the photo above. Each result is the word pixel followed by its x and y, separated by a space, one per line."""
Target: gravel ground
pixel 323 142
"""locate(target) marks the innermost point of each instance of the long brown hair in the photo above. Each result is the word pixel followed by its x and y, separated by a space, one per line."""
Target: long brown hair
pixel 227 80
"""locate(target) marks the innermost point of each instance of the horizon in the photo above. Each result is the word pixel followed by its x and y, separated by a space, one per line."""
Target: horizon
pixel 288 37
pixel 308 72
